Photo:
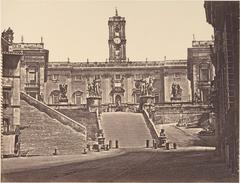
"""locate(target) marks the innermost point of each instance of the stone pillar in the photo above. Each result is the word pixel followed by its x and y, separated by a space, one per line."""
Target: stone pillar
pixel 94 103
pixel 146 101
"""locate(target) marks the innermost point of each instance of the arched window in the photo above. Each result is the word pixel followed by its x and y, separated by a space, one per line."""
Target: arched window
pixel 77 97
pixel 54 97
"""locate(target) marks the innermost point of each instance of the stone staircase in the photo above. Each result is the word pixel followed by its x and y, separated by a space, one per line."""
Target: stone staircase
pixel 129 129
pixel 88 119
pixel 41 134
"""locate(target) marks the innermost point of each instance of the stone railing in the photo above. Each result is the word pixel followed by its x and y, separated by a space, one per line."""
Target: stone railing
pixel 150 125
pixel 120 64
pixel 98 115
pixel 55 114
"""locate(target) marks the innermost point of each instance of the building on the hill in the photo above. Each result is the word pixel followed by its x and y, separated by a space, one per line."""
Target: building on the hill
pixel 200 70
pixel 11 95
pixel 120 79
pixel 33 67
pixel 224 17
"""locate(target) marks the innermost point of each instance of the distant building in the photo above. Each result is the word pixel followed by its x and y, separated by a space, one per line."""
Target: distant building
pixel 224 17
pixel 118 81
pixel 33 67
pixel 11 95
pixel 200 70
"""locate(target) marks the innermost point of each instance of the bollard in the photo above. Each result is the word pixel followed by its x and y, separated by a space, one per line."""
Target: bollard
pixel 107 147
pixel 174 145
pixel 88 147
pixel 110 144
pixel 84 151
pixel 167 145
pixel 98 148
pixel 116 144
pixel 147 143
pixel 153 143
pixel 55 151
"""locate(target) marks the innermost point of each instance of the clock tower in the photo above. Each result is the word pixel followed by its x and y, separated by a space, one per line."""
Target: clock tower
pixel 117 40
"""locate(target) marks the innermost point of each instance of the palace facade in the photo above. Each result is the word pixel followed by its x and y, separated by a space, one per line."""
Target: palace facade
pixel 117 81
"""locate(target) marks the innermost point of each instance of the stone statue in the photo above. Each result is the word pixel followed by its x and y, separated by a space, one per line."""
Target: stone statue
pixel 197 98
pixel 149 86
pixel 94 88
pixel 63 91
pixel 176 92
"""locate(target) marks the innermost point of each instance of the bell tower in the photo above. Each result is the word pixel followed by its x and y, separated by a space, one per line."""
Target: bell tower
pixel 117 39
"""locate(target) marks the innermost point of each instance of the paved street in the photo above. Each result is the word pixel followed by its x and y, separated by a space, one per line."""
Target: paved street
pixel 135 165
pixel 187 163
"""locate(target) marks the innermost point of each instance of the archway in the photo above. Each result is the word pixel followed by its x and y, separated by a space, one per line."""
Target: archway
pixel 54 97
pixel 77 97
pixel 118 100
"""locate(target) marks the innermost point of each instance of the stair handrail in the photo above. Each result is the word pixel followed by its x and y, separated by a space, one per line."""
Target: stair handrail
pixel 26 97
pixel 150 125
pixel 98 119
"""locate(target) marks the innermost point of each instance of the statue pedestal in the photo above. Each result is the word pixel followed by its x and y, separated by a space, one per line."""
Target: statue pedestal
pixel 63 100
pixel 145 101
pixel 94 103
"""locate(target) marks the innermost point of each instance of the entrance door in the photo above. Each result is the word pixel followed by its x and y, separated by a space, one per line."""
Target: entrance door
pixel 118 100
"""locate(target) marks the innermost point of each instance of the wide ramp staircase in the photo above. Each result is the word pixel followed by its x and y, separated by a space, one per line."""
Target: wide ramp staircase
pixel 41 134
pixel 129 129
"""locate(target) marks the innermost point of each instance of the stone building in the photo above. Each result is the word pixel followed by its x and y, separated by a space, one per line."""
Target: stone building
pixel 119 80
pixel 116 82
pixel 200 70
pixel 224 17
pixel 11 94
pixel 33 67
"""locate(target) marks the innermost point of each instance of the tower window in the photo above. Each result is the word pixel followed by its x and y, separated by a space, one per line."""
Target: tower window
pixel 118 76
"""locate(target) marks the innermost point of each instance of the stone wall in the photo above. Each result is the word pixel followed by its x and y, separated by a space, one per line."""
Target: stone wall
pixel 54 114
pixel 185 113
pixel 123 76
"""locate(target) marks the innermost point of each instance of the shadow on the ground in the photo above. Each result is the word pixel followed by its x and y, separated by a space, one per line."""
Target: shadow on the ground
pixel 135 166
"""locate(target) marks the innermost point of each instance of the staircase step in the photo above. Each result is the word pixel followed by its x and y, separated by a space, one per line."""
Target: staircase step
pixel 43 134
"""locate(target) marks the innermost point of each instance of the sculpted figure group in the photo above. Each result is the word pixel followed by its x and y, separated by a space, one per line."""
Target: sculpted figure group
pixel 146 86
pixel 94 88
pixel 176 91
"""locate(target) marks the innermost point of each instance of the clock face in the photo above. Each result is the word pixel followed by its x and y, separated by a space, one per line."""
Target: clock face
pixel 117 40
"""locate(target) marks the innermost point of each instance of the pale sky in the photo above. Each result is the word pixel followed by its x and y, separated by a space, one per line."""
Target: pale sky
pixel 78 29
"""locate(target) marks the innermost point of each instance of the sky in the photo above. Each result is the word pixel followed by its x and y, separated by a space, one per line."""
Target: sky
pixel 78 29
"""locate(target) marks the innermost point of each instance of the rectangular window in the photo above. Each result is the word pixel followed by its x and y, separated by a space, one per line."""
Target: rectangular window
pixel 6 125
pixel 156 98
pixel 204 74
pixel 32 77
pixel 6 98
pixel 205 95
